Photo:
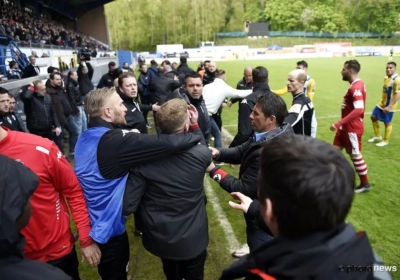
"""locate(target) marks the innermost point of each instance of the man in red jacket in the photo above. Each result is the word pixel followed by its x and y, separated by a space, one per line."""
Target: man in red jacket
pixel 48 235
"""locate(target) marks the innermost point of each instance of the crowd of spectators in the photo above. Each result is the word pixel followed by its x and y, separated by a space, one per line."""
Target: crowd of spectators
pixel 23 27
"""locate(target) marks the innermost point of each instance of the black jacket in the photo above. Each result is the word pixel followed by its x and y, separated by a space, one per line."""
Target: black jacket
pixel 160 87
pixel 106 81
pixel 143 80
pixel 17 122
pixel 245 130
pixel 30 71
pixel 40 115
pixel 300 114
pixel 118 152
pixel 62 103
pixel 204 119
pixel 208 77
pixel 180 75
pixel 74 93
pixel 319 256
pixel 173 208
pixel 184 69
pixel 248 155
pixel 241 85
pixel 14 195
pixel 85 80
pixel 5 120
pixel 134 116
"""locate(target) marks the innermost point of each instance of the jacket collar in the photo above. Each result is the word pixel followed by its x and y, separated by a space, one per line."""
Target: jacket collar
pixel 261 87
pixel 266 136
pixel 124 97
pixel 99 122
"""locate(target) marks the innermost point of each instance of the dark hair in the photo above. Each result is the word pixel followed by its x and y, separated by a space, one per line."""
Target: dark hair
pixel 153 62
pixel 3 90
pixel 310 184
pixel 219 73
pixel 192 75
pixel 161 70
pixel 123 76
pixel 302 63
pixel 166 62
pixel 273 105
pixel 353 65
pixel 183 60
pixel 260 75
pixel 52 75
pixel 11 96
pixel 393 63
pixel 70 73
pixel 11 64
pixel 111 64
pixel 206 61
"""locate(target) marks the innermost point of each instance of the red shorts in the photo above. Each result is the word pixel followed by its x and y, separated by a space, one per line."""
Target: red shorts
pixel 350 141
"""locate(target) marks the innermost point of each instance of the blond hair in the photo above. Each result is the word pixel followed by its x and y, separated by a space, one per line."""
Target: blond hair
pixel 172 116
pixel 96 99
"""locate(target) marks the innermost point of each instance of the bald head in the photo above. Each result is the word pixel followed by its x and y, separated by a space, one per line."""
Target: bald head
pixel 212 67
pixel 247 75
pixel 296 80
pixel 167 68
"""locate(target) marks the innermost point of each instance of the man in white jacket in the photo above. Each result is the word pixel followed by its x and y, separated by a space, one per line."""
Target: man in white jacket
pixel 214 95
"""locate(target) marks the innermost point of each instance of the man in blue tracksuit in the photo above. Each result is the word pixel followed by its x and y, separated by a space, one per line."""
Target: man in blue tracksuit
pixel 104 156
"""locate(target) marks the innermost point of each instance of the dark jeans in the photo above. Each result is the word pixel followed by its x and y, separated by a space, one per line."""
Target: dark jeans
pixel 114 258
pixel 257 238
pixel 218 120
pixel 72 129
pixel 189 269
pixel 49 134
pixel 69 264
pixel 145 100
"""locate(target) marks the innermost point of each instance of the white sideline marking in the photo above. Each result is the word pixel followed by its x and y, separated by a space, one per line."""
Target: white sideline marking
pixel 226 134
pixel 233 243
pixel 318 118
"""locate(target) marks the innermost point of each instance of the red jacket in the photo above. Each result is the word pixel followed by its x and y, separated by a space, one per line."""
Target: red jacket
pixel 48 234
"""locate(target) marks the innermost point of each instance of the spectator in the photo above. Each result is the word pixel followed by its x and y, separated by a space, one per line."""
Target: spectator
pixel 15 117
pixel 14 72
pixel 107 79
pixel 31 70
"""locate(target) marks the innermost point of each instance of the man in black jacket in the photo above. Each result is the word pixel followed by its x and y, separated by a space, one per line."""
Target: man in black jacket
pixel 302 110
pixel 65 109
pixel 5 119
pixel 175 225
pixel 245 83
pixel 31 70
pixel 267 121
pixel 15 117
pixel 127 89
pixel 162 85
pixel 260 86
pixel 41 118
pixel 305 204
pixel 184 68
pixel 192 93
pixel 17 184
pixel 107 80
pixel 143 84
pixel 104 157
pixel 75 96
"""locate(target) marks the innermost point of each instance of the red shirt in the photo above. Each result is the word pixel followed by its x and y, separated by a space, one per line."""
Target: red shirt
pixel 48 234
pixel 353 108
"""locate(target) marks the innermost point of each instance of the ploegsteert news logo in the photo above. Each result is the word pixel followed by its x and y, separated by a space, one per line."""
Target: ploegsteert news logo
pixel 367 268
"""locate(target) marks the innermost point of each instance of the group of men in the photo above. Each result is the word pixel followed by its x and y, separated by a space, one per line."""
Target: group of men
pixel 119 170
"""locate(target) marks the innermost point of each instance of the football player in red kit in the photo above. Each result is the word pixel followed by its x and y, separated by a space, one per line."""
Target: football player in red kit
pixel 350 128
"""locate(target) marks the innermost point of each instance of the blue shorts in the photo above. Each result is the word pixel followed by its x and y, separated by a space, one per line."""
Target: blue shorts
pixel 381 116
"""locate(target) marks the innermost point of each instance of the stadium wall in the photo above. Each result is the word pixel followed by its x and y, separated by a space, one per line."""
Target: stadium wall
pixel 94 23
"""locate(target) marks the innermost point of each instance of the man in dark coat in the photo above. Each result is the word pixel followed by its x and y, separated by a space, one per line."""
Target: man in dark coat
pixel 175 225
pixel 267 121
pixel 17 184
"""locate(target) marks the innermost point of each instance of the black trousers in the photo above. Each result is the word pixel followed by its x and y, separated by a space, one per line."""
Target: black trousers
pixel 69 264
pixel 114 258
pixel 189 269
pixel 49 134
pixel 138 219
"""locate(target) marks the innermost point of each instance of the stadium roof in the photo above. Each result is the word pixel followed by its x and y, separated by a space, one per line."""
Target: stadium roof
pixel 73 8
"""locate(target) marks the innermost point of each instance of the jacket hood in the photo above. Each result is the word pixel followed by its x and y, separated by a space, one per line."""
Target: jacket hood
pixel 284 129
pixel 17 184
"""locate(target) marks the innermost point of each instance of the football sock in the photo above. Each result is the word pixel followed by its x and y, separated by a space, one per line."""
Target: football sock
pixel 388 132
pixel 361 168
pixel 375 125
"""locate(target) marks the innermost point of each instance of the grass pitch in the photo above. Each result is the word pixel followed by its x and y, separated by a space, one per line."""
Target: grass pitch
pixel 376 212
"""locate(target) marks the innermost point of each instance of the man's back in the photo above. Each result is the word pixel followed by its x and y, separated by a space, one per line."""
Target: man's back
pixel 173 206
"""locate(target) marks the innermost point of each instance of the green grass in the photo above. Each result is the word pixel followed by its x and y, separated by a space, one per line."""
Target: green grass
pixel 376 212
